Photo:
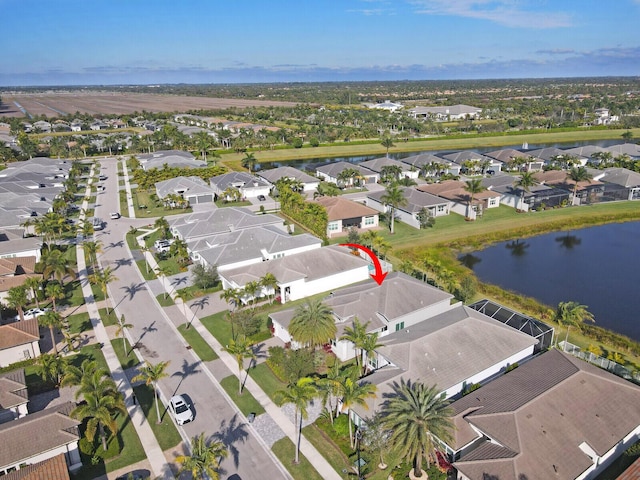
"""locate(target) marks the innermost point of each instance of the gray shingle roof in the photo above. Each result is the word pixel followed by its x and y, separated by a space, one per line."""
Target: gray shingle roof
pixel 378 163
pixel 275 174
pixel 173 158
pixel 188 185
pixel 238 180
pixel 416 199
pixel 334 169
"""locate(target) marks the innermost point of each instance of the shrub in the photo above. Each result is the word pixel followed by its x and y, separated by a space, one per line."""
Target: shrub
pixel 341 425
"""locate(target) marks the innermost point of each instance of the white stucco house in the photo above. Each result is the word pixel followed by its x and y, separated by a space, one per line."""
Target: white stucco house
pixel 193 189
pixel 272 175
pixel 416 200
pixel 302 275
pixel 250 186
pixel 345 214
pixel 19 341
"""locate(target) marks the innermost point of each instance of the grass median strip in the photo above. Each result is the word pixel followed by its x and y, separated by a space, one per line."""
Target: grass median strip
pixel 244 401
pixel 285 451
pixel 165 432
pixel 202 348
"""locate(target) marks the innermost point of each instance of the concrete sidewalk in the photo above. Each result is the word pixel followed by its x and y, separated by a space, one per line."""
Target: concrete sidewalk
pixel 184 313
pixel 155 456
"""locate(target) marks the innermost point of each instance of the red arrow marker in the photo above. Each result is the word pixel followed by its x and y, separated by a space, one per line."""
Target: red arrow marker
pixel 379 275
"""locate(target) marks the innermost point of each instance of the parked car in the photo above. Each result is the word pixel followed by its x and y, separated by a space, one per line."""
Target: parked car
pixel 180 409
pixel 114 215
pixel 102 177
pixel 262 198
pixel 162 246
pixel 32 313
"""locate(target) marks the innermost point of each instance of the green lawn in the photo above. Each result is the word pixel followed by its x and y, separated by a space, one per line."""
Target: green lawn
pixel 79 323
pixel 154 207
pixel 145 270
pixel 125 354
pixel 171 265
pixel 267 381
pixel 222 204
pixel 124 206
pixel 202 348
pixel 108 320
pixel 165 432
pixel 327 448
pixel 245 401
pixel 195 292
pixel 284 449
pixel 219 327
pixel 165 300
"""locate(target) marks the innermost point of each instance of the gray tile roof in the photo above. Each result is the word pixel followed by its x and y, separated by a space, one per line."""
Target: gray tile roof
pixel 416 199
pixel 13 389
pixel 631 149
pixel 334 169
pixel 218 221
pixel 585 151
pixel 543 411
pixel 621 176
pixel 249 244
pixel 275 174
pixel 187 185
pixel 459 157
pixel 378 163
pixel 422 159
pixel 173 158
pixel 506 155
pixel 238 180
pixel 310 265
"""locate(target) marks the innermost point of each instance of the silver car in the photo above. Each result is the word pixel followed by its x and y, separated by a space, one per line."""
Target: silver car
pixel 180 409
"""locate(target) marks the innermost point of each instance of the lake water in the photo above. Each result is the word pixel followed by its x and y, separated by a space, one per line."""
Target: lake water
pixel 311 164
pixel 597 266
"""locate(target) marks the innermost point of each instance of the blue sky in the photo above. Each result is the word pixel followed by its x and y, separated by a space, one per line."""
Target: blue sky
pixel 83 42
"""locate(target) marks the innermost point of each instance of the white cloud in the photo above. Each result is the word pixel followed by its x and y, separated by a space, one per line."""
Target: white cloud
pixel 510 13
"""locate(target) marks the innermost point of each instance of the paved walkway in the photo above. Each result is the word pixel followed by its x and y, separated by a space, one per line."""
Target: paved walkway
pixel 276 421
pixel 155 456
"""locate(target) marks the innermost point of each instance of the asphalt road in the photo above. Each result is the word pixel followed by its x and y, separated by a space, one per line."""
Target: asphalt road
pixel 159 341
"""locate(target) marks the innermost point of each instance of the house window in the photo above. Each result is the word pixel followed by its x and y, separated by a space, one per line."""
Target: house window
pixel 440 208
pixel 369 220
pixel 399 326
pixel 26 354
pixel 333 227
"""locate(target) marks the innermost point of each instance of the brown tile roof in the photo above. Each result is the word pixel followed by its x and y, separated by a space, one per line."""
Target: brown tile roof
pixel 7 282
pixel 19 333
pixel 454 190
pixel 17 265
pixel 341 208
pixel 54 468
pixel 542 412
pixel 13 389
pixel 631 473
pixel 560 178
pixel 36 433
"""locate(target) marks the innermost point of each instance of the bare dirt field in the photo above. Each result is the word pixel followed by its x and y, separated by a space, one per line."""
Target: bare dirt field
pixel 54 104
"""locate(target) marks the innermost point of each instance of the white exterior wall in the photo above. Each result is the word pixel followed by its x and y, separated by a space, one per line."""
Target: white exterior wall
pixel 408 218
pixel 411 173
pixel 17 353
pixel 513 201
pixel 308 187
pixel 489 372
pixel 326 177
pixel 280 332
pixel 71 449
pixel 607 459
pixel 334 228
pixel 419 315
pixel 24 253
pixel 253 192
pixel 303 289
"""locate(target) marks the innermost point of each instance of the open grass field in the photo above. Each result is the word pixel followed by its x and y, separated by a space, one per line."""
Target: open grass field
pixel 53 104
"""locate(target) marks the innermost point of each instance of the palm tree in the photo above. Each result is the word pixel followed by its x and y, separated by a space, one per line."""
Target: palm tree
pixel 356 334
pixel 100 407
pixel 34 284
pixel 144 249
pixel 58 266
pixel 51 319
pixel 151 374
pixel 249 161
pixel 572 314
pixel 240 348
pixel 473 186
pixel 299 394
pixel 369 347
pixel 232 296
pixel 204 459
pixel 102 278
pixel 269 282
pixel 578 174
pixel 387 143
pixel 393 198
pixel 354 393
pixel 54 291
pixel 122 326
pixel 17 298
pixel 51 367
pixel 73 375
pixel 92 249
pixel 163 225
pixel 313 324
pixel 526 181
pixel 416 415
pixel 251 291
pixel 163 271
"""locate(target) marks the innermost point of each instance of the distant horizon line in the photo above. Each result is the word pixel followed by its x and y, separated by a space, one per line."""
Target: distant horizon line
pixel 299 82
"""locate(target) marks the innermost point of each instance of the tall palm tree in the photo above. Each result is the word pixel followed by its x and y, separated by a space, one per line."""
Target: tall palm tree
pixel 232 296
pixel 354 393
pixel 249 161
pixel 203 460
pixel 269 282
pixel 51 367
pixel 102 278
pixel 577 175
pixel 393 198
pixel 473 186
pixel 92 249
pixel 299 394
pixel 101 408
pixel 240 348
pixel 17 298
pixel 54 291
pixel 57 265
pixel 572 314
pixel 151 374
pixel 416 415
pixel 73 375
pixel 356 334
pixel 163 271
pixel 313 324
pixel 524 183
pixel 369 347
pixel 122 326
pixel 34 284
pixel 51 319
pixel 387 143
